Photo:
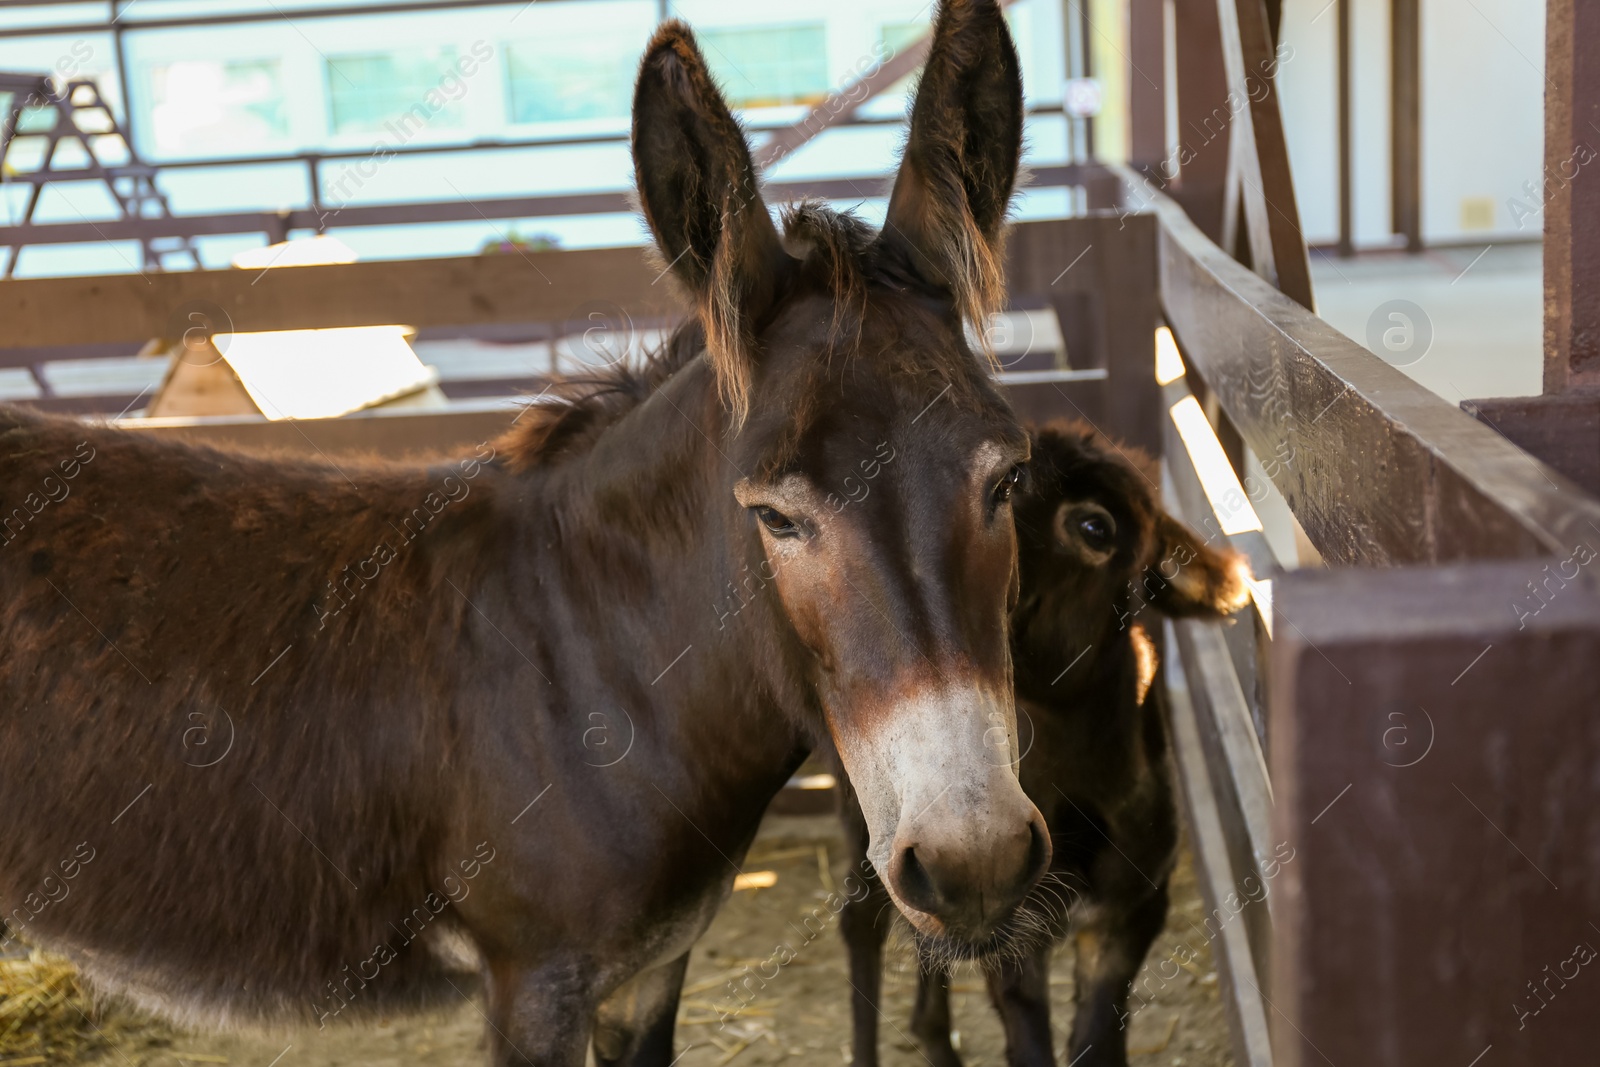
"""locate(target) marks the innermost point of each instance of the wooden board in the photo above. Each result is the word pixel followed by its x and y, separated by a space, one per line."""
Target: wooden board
pixel 531 287
pixel 1405 120
pixel 624 284
pixel 398 433
pixel 1572 205
pixel 1147 89
pixel 1260 151
pixel 1205 120
pixel 1243 999
pixel 278 225
pixel 192 387
pixel 1102 269
pixel 384 434
pixel 1563 430
pixel 1433 756
pixel 1378 470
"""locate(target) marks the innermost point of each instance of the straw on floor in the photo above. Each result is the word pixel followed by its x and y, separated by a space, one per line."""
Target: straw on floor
pixel 44 1011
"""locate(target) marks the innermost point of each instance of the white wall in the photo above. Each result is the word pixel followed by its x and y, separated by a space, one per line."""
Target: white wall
pixel 1482 116
pixel 1306 86
pixel 1482 113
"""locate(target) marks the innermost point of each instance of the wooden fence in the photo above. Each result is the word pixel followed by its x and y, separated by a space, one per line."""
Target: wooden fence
pixel 1414 723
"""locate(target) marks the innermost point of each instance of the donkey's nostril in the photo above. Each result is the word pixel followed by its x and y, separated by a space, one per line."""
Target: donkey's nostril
pixel 971 874
pixel 913 882
pixel 1038 850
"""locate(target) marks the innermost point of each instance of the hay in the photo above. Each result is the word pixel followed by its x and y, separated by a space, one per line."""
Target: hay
pixel 44 1011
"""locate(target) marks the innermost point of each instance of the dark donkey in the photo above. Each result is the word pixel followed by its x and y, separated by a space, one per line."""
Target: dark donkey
pixel 397 672
pixel 1095 549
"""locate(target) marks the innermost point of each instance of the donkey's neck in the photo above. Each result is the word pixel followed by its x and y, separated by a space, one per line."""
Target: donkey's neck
pixel 652 572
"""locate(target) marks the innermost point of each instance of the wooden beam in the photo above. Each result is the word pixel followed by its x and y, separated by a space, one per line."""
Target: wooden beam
pixel 1572 197
pixel 1261 151
pixel 1377 469
pixel 1244 1001
pixel 1275 19
pixel 525 287
pixel 522 287
pixel 1346 153
pixel 279 224
pixel 1433 756
pixel 1098 274
pixel 1068 396
pixel 841 104
pixel 1147 84
pixel 1085 63
pixel 380 434
pixel 1205 117
pixel 1561 429
pixel 393 434
pixel 1405 119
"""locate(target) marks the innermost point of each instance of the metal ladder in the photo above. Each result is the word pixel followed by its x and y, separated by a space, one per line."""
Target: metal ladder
pixel 80 114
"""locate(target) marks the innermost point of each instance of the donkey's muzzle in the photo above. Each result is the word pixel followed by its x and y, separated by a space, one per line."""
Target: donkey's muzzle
pixel 970 874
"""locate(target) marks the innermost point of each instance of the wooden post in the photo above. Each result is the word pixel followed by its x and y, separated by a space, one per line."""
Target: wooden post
pixel 1405 119
pixel 1204 121
pixel 1562 427
pixel 1147 87
pixel 1099 274
pixel 1261 151
pixel 1346 212
pixel 1572 197
pixel 1433 755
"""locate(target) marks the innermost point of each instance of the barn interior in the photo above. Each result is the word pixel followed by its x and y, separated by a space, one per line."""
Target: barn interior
pixel 1329 262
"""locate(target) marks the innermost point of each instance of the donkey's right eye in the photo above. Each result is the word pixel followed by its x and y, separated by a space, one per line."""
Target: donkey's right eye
pixel 777 523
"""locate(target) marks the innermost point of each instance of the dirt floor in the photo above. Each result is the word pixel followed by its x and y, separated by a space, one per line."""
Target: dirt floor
pixel 801 1016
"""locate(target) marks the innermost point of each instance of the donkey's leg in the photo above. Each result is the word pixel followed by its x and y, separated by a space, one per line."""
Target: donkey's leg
pixel 634 1025
pixel 1020 990
pixel 539 1016
pixel 865 925
pixel 1111 944
pixel 930 1019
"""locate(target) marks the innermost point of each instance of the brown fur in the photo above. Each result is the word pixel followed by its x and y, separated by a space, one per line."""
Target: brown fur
pixel 400 666
pixel 711 246
pixel 946 215
pixel 966 125
pixel 124 620
pixel 1095 759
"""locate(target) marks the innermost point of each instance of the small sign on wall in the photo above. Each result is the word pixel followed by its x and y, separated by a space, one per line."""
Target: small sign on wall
pixel 1082 97
pixel 1477 213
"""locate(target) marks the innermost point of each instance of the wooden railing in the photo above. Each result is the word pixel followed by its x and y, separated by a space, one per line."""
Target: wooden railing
pixel 1413 721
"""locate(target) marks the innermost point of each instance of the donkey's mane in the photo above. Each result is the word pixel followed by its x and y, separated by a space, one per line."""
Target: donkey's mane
pixel 836 251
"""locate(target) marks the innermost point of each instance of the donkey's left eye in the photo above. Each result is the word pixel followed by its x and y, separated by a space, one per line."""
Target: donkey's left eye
pixel 1098 530
pixel 777 523
pixel 1008 485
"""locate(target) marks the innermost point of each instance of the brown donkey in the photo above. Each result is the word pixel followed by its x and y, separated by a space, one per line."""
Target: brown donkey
pixel 275 740
pixel 1099 558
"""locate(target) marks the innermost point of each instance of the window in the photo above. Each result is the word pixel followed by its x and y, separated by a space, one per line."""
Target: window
pixel 588 76
pixel 402 91
pixel 208 106
pixel 898 36
pixel 769 66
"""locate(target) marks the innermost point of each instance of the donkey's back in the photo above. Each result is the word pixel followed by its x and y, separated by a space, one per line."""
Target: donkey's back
pixel 227 716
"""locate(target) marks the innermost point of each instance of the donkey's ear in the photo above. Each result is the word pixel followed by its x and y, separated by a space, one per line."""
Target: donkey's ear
pixel 1207 583
pixel 700 197
pixel 954 187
